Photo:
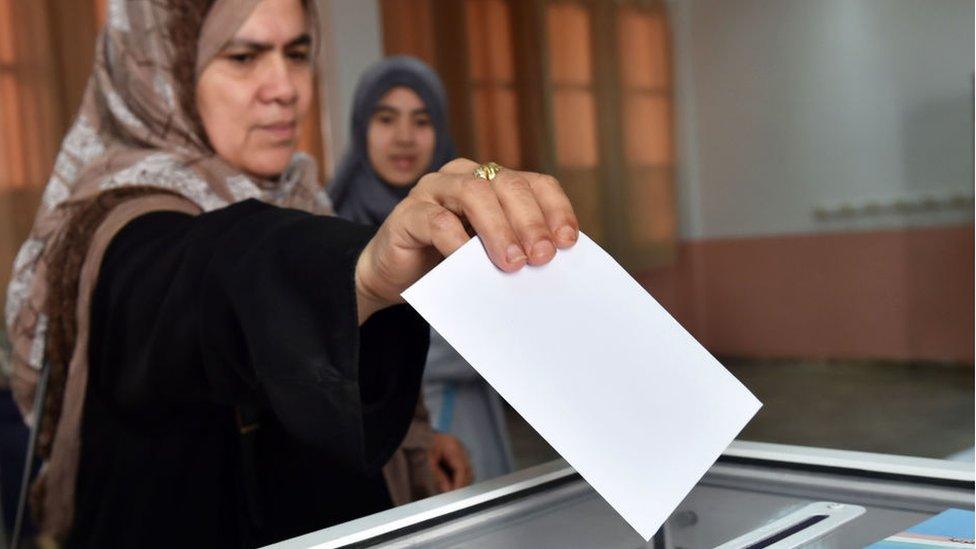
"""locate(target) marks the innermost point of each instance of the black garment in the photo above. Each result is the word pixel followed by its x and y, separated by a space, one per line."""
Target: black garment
pixel 193 316
pixel 13 450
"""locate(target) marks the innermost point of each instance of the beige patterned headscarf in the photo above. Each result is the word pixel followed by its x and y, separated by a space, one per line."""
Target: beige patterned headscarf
pixel 132 149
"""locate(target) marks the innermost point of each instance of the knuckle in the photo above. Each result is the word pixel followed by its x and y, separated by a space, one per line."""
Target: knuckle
pixel 425 181
pixel 420 190
pixel 405 205
pixel 472 186
pixel 442 220
pixel 512 184
pixel 460 163
pixel 550 181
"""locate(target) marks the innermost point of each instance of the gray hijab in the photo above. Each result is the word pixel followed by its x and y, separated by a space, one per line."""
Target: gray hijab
pixel 357 192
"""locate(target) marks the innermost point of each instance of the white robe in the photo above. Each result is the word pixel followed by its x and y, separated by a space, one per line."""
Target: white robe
pixel 463 404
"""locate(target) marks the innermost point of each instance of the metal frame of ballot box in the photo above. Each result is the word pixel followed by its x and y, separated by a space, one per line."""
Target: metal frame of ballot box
pixel 757 495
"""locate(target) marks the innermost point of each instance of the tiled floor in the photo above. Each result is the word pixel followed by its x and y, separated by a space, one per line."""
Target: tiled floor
pixel 919 409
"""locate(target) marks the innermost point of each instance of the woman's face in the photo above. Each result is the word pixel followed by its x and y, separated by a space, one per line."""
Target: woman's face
pixel 401 137
pixel 254 94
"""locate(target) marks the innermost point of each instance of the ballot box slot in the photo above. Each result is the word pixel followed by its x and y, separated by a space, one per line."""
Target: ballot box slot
pixel 783 534
pixel 814 521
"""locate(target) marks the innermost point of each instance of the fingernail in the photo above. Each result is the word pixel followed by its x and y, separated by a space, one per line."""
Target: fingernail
pixel 514 253
pixel 543 250
pixel 567 233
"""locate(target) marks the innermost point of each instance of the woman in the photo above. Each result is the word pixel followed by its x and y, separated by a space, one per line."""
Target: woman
pixel 399 133
pixel 227 367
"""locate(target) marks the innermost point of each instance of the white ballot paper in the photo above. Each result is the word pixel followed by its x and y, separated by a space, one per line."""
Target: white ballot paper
pixel 625 395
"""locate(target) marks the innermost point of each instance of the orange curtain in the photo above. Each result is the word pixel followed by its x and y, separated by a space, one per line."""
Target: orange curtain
pixel 491 81
pixel 645 71
pixel 32 119
pixel 100 11
pixel 408 29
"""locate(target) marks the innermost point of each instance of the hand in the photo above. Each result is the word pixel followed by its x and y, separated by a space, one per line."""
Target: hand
pixel 449 463
pixel 522 217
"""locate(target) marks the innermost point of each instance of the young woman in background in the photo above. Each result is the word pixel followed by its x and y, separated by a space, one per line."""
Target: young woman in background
pixel 399 133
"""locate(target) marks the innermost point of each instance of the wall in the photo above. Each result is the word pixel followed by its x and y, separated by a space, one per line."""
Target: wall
pixel 354 41
pixel 799 104
pixel 889 294
pixel 825 178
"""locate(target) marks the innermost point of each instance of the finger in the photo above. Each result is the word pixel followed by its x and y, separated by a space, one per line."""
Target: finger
pixel 458 461
pixel 468 477
pixel 443 482
pixel 459 166
pixel 556 207
pixel 433 460
pixel 472 197
pixel 465 475
pixel 457 480
pixel 524 213
pixel 432 224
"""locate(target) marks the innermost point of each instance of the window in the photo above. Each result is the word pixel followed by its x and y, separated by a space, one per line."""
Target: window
pixel 571 94
pixel 491 82
pixel 645 88
pixel 408 29
pixel 31 119
pixel 569 103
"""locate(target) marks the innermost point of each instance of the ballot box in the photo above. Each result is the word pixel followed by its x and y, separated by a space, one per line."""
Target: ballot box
pixel 756 495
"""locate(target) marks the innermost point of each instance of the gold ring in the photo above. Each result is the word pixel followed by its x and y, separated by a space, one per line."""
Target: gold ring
pixel 487 171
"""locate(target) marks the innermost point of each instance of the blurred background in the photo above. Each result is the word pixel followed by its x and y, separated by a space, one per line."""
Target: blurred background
pixel 791 179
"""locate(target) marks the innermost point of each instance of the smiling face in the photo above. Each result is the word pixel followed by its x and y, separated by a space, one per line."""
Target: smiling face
pixel 401 137
pixel 254 94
